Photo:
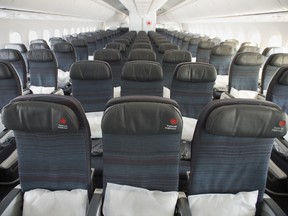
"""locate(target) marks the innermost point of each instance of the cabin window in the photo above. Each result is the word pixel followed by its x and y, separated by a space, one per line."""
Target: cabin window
pixel 78 30
pixel 65 31
pixel 72 31
pixel 32 35
pixel 57 33
pixel 275 40
pixel 46 35
pixel 15 37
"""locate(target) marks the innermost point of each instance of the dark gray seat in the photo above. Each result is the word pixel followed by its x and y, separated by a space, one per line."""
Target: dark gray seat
pixel 81 49
pixel 203 51
pixel 65 55
pixel 142 54
pixel 142 78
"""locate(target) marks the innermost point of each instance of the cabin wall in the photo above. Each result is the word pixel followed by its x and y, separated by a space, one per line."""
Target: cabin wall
pixel 32 29
pixel 265 34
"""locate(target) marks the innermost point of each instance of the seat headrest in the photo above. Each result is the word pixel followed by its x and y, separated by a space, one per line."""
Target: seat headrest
pixel 90 70
pixel 40 55
pixel 284 77
pixel 248 58
pixel 253 119
pixel 39 116
pixel 167 46
pixel 10 55
pixel 249 49
pixel 63 47
pixel 142 71
pixel 279 59
pixel 5 70
pixel 79 42
pixel 110 55
pixel 20 47
pixel 177 56
pixel 137 117
pixel 38 46
pixel 195 72
pixel 124 41
pixel 223 50
pixel 206 44
pixel 271 50
pixel 194 41
pixel 141 54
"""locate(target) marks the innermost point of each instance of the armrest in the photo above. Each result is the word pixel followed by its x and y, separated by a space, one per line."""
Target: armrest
pixel 57 91
pixel 226 95
pixel 11 205
pixel 95 204
pixel 182 206
pixel 276 171
pixel 270 208
pixel 27 91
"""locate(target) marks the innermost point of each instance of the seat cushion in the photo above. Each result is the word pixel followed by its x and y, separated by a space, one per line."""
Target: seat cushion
pixel 131 201
pixel 240 204
pixel 46 203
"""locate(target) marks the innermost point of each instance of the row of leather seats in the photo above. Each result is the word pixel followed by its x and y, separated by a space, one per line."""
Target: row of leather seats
pixel 141 143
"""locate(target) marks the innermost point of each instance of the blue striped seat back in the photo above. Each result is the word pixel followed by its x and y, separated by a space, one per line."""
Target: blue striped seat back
pixel 81 49
pixel 115 60
pixel 244 71
pixel 10 85
pixel 65 55
pixel 273 63
pixel 92 84
pixel 142 54
pixel 42 67
pixel 142 78
pixel 221 57
pixel 278 88
pixel 232 144
pixel 193 45
pixel 53 142
pixel 192 87
pixel 204 50
pixel 170 60
pixel 141 141
pixel 16 59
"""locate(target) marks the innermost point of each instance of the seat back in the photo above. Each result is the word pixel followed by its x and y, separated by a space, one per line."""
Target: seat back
pixel 81 49
pixel 193 45
pixel 221 57
pixel 141 141
pixel 203 51
pixel 244 71
pixel 38 41
pixel 142 54
pixel 33 46
pixel 141 46
pixel 10 84
pixel 273 63
pixel 142 78
pixel 192 87
pixel 231 147
pixel 53 142
pixel 16 59
pixel 65 55
pixel 42 66
pixel 163 48
pixel 170 59
pixel 92 84
pixel 114 58
pixel 278 88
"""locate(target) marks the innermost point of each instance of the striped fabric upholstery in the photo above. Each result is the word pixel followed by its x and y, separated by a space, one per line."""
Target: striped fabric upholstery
pixel 203 51
pixel 273 63
pixel 10 86
pixel 244 71
pixel 65 55
pixel 115 60
pixel 138 148
pixel 16 59
pixel 170 60
pixel 230 152
pixel 51 160
pixel 42 67
pixel 142 78
pixel 277 89
pixel 193 94
pixel 81 49
pixel 221 57
pixel 92 84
